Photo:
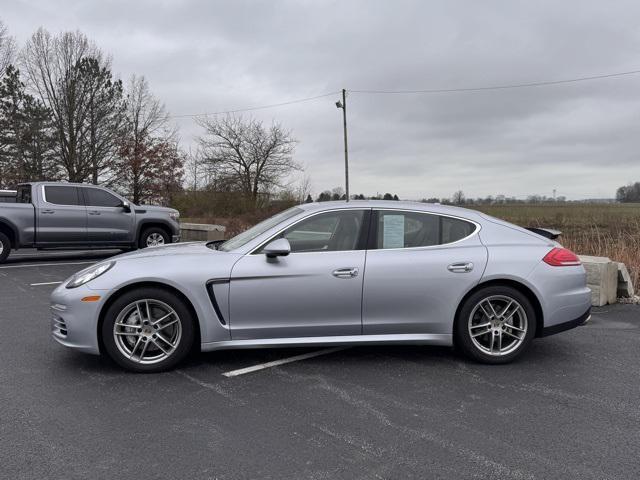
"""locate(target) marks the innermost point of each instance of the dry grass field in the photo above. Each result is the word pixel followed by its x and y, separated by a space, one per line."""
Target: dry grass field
pixel 606 230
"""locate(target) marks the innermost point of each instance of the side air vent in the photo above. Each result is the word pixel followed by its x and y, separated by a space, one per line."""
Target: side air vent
pixel 214 301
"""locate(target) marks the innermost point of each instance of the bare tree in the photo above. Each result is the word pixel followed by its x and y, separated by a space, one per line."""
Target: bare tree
pixel 105 119
pixel 7 49
pixel 69 73
pixel 253 158
pixel 458 198
pixel 146 151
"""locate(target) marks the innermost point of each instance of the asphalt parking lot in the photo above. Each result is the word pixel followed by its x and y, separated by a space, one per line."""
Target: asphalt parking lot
pixel 569 409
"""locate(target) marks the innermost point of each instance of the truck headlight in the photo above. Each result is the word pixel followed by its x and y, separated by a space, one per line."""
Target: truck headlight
pixel 174 215
pixel 88 274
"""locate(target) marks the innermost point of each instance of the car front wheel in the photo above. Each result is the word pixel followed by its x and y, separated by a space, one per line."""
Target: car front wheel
pixel 148 330
pixel 495 325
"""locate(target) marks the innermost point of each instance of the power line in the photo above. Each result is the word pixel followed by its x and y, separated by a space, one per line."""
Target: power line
pixel 262 107
pixel 501 87
pixel 405 92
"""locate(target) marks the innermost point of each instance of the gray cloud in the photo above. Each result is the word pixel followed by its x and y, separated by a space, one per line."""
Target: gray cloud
pixel 209 56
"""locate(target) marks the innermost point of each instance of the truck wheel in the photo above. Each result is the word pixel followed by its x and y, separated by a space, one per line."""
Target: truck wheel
pixel 5 247
pixel 152 237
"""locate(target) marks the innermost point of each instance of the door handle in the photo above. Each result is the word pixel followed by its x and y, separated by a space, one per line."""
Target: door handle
pixel 462 267
pixel 94 212
pixel 345 272
pixel 48 212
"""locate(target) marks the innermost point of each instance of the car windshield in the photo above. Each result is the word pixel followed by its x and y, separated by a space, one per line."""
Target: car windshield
pixel 248 235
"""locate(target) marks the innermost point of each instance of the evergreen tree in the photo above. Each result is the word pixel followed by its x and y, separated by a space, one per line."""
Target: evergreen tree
pixel 27 137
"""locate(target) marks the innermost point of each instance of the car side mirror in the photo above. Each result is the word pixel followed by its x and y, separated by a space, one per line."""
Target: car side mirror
pixel 126 206
pixel 277 248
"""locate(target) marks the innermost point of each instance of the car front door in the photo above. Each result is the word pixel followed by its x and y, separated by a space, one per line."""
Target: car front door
pixel 107 220
pixel 316 290
pixel 418 269
pixel 62 216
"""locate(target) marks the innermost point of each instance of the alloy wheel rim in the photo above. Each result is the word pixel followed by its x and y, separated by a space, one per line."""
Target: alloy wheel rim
pixel 1 247
pixel 497 325
pixel 154 240
pixel 147 331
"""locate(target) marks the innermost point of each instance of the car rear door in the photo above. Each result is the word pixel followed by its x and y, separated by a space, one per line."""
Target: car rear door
pixel 314 291
pixel 61 216
pixel 419 266
pixel 107 220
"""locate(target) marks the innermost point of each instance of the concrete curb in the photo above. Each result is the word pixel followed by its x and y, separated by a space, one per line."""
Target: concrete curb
pixel 608 280
pixel 192 232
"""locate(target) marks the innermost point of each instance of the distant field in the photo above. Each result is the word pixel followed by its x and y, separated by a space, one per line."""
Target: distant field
pixel 606 230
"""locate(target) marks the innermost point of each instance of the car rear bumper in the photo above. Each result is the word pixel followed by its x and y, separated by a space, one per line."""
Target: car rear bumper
pixel 561 327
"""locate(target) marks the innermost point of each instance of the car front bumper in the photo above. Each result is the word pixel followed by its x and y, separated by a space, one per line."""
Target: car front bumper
pixel 74 322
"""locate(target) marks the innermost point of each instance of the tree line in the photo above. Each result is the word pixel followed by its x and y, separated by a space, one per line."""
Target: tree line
pixel 64 115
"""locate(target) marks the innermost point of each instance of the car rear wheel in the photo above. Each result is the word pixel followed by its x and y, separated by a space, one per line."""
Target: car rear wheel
pixel 495 325
pixel 148 330
pixel 153 237
pixel 5 247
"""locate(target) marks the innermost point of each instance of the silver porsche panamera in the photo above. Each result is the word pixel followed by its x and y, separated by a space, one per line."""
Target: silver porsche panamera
pixel 332 273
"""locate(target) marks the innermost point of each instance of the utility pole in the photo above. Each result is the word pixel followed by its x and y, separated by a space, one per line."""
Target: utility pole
pixel 343 105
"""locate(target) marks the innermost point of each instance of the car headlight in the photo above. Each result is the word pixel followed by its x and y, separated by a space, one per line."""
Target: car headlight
pixel 174 215
pixel 88 274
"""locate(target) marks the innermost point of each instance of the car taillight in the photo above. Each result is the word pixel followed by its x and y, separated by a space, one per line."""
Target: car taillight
pixel 561 257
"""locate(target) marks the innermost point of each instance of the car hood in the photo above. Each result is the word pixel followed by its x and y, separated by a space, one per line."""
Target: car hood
pixel 155 208
pixel 172 249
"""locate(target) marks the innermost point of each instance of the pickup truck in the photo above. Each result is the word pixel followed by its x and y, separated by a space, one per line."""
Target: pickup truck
pixel 49 215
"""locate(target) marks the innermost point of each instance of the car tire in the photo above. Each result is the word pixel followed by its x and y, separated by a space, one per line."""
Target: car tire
pixel 5 247
pixel 132 339
pixel 152 237
pixel 495 325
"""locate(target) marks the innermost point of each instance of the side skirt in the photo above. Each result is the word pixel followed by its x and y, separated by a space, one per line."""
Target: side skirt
pixel 401 339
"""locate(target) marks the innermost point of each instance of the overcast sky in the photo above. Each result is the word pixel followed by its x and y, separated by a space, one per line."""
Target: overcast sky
pixel 581 139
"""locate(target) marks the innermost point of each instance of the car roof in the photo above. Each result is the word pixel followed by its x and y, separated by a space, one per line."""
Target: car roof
pixel 394 204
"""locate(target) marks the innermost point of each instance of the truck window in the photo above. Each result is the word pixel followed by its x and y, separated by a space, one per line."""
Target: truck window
pixel 96 197
pixel 24 194
pixel 61 195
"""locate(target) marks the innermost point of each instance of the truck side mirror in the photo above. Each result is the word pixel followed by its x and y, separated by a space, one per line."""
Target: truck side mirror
pixel 126 206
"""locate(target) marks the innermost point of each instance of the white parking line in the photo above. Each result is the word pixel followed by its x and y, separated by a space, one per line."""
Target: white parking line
pixel 275 363
pixel 44 265
pixel 44 283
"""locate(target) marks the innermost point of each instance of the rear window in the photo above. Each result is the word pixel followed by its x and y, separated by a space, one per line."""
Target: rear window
pixel 99 198
pixel 400 229
pixel 24 194
pixel 61 195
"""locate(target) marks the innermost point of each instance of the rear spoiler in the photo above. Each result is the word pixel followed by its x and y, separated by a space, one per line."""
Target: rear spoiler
pixel 545 232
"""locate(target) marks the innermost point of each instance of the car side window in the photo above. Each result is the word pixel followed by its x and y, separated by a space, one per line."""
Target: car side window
pixel 399 229
pixel 454 229
pixel 326 232
pixel 96 197
pixel 61 195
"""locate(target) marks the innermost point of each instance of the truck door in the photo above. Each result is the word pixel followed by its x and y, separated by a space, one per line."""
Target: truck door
pixel 107 220
pixel 61 216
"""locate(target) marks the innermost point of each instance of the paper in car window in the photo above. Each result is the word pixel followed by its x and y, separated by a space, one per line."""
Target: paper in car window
pixel 393 231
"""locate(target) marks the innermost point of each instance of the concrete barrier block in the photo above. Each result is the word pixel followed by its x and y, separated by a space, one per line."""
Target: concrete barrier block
pixel 625 285
pixel 193 232
pixel 602 279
